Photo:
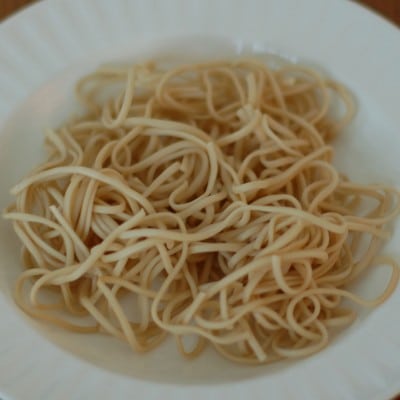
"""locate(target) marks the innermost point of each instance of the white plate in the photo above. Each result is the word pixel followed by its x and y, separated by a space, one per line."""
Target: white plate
pixel 42 52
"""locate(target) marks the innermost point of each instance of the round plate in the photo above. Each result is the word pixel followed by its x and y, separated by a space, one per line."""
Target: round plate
pixel 44 49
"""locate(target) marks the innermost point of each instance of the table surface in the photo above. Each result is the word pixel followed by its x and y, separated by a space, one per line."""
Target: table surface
pixel 388 8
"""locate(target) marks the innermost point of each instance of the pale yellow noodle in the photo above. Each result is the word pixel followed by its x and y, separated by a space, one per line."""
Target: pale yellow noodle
pixel 201 200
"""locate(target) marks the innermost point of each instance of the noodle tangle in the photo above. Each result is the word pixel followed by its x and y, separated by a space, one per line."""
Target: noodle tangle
pixel 201 200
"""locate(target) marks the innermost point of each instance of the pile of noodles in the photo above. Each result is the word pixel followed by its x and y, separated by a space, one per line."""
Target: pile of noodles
pixel 200 200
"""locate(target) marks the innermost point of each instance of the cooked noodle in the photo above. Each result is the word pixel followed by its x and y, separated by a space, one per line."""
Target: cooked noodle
pixel 201 200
